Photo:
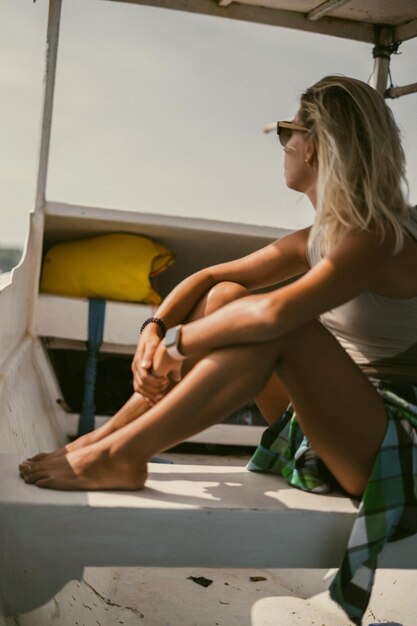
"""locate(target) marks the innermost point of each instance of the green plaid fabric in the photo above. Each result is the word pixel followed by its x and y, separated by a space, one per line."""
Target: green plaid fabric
pixel 388 509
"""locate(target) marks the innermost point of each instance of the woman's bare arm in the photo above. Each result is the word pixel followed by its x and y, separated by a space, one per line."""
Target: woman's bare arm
pixel 355 265
pixel 272 264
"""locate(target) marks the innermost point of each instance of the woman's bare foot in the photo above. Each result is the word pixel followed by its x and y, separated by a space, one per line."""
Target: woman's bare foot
pixel 135 407
pixel 77 444
pixel 47 455
pixel 90 468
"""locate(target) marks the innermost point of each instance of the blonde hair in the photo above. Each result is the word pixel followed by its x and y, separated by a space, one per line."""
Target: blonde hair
pixel 361 166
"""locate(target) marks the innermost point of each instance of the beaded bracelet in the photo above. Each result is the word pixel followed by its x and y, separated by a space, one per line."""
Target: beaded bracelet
pixel 154 320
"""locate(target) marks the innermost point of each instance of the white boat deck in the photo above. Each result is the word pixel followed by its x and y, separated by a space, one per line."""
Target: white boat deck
pixel 189 515
pixel 196 515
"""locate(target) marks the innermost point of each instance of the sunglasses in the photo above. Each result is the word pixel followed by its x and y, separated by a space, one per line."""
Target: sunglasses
pixel 285 130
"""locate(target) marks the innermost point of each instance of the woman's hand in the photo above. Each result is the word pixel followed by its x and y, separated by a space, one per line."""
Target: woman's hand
pixel 165 366
pixel 150 385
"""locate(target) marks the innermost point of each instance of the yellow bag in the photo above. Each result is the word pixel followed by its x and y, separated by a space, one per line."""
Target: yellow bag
pixel 112 267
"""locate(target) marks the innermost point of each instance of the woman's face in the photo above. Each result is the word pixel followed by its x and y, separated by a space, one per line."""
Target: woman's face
pixel 300 162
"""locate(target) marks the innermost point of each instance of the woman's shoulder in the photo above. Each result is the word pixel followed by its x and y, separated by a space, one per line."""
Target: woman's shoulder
pixel 399 269
pixel 362 257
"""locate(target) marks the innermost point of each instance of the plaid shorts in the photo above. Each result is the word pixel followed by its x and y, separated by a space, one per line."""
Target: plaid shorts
pixel 388 509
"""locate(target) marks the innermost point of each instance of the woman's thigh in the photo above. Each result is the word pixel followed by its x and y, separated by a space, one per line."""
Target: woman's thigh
pixel 273 399
pixel 338 408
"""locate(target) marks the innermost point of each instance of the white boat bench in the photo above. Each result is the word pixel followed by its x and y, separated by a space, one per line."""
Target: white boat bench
pixel 187 516
pixel 62 322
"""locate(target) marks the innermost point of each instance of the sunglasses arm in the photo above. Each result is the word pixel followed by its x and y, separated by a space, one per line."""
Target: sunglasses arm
pixel 269 128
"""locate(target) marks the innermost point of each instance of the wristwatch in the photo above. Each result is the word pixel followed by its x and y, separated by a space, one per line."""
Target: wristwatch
pixel 171 342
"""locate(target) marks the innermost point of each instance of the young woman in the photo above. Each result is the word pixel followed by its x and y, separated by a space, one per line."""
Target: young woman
pixel 339 342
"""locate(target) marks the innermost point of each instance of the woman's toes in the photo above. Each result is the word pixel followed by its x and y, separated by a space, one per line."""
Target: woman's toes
pixel 35 476
pixel 24 468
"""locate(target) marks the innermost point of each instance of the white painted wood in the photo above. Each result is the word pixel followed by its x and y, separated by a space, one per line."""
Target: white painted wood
pixel 162 526
pixel 167 596
pixel 48 99
pixel 284 597
pixel 27 413
pixel 5 279
pixel 63 218
pixel 355 22
pixel 37 219
pixel 325 8
pixel 230 434
pixel 187 516
pixel 53 398
pixel 14 304
pixel 196 243
pixel 67 318
pixel 74 344
pixel 406 31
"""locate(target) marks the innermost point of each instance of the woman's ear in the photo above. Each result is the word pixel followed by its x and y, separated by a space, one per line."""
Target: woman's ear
pixel 311 154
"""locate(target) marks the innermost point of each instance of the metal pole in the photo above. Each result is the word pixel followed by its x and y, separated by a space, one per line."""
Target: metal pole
pixel 33 249
pixel 48 98
pixel 396 92
pixel 384 40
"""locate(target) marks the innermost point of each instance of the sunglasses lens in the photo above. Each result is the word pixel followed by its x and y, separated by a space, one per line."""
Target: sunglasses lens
pixel 284 135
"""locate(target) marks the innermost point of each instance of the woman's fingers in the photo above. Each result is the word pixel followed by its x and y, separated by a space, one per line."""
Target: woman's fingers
pixel 150 381
pixel 149 378
pixel 146 359
pixel 151 387
pixel 145 352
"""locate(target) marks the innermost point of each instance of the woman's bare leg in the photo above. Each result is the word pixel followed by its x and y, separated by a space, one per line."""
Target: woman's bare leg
pixel 337 406
pixel 136 406
pixel 202 398
pixel 270 400
pixel 273 399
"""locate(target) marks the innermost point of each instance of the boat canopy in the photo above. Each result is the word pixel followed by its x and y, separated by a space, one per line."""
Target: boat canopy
pixel 384 23
pixel 352 19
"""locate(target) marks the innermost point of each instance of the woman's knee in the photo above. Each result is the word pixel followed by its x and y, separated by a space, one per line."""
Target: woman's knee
pixel 223 293
pixel 219 295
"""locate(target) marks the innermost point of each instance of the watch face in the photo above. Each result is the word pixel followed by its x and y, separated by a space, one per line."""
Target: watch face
pixel 171 341
pixel 171 337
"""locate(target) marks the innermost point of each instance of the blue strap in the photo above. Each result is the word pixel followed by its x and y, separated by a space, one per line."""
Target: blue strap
pixel 96 315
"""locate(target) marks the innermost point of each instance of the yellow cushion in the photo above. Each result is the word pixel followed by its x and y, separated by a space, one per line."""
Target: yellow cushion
pixel 112 267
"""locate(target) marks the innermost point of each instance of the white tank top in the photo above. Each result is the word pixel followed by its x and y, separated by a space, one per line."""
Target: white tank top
pixel 379 333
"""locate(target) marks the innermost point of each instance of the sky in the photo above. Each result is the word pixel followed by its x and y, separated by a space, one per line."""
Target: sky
pixel 162 112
